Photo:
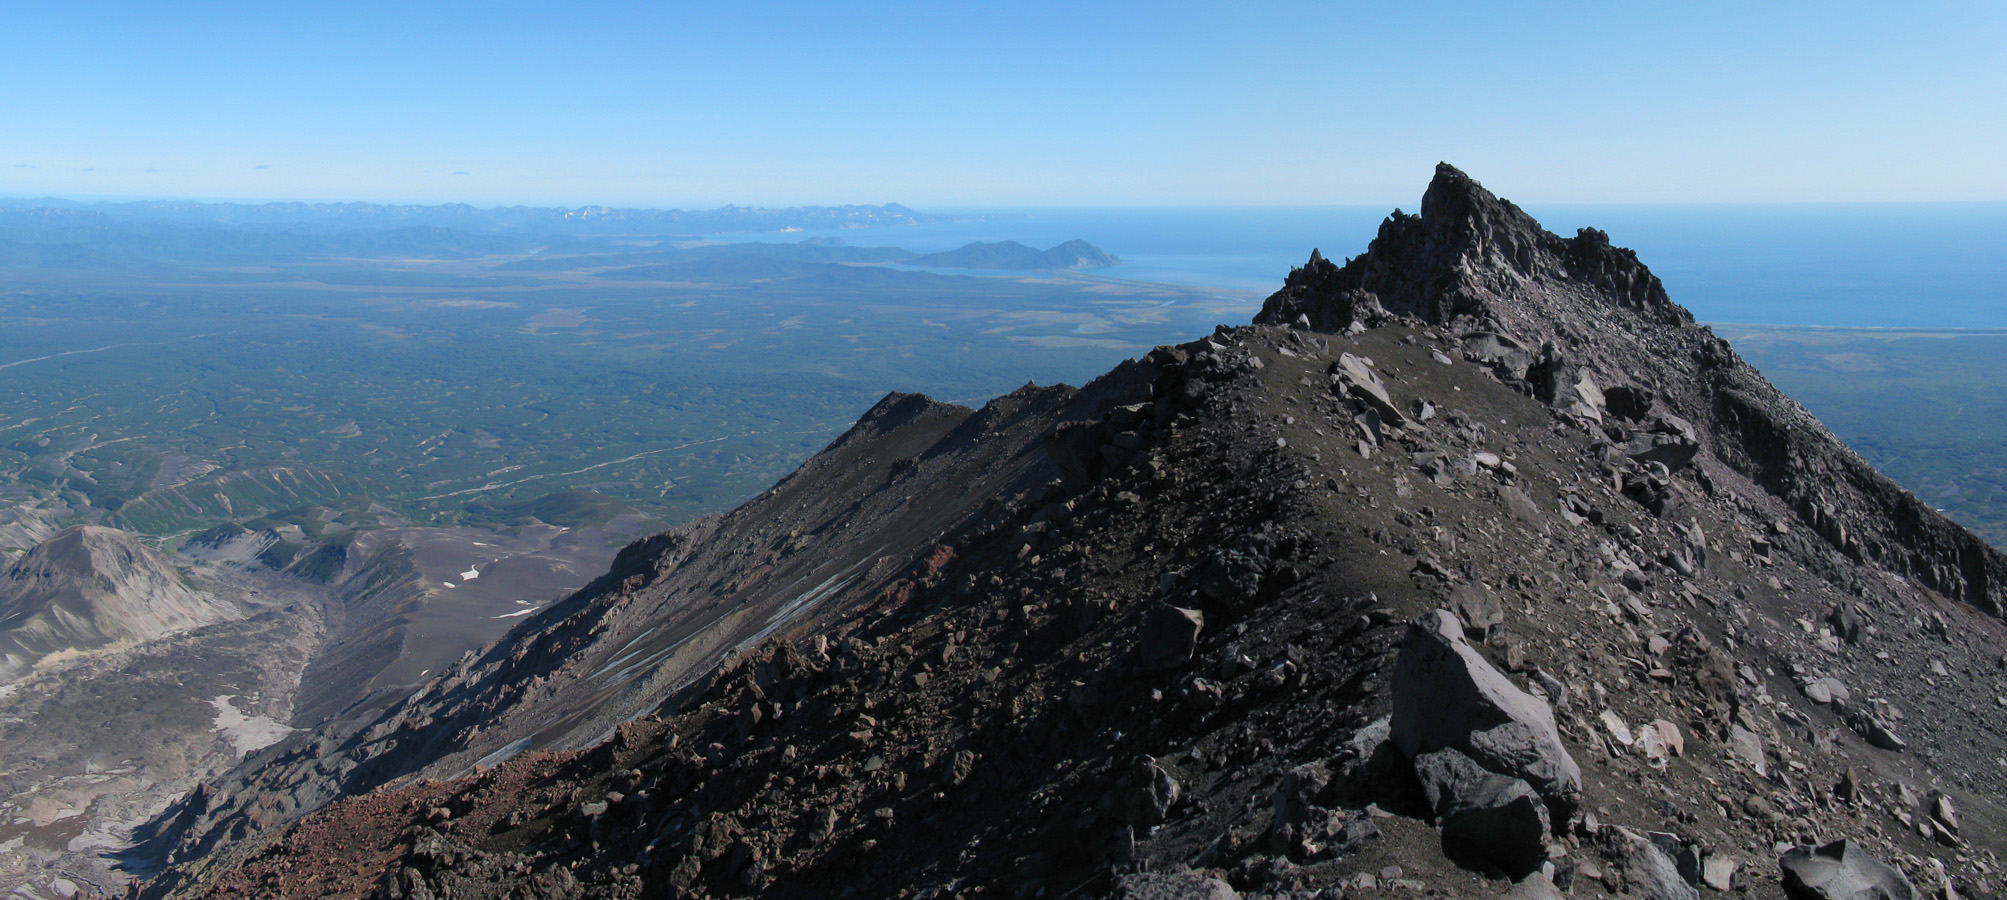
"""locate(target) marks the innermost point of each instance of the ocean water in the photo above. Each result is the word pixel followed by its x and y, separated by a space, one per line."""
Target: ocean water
pixel 1850 265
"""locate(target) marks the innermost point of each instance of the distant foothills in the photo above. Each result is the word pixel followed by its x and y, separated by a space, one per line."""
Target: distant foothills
pixel 1074 254
pixel 142 236
pixel 583 220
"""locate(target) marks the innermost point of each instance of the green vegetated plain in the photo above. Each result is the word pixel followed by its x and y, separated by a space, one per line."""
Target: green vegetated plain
pixel 165 390
pixel 166 378
pixel 1928 408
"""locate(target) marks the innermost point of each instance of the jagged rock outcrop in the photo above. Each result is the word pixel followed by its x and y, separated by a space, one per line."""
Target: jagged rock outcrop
pixel 1543 309
pixel 88 587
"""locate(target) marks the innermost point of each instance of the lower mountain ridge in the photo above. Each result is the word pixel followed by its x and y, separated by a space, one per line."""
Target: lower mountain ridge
pixel 88 587
pixel 1473 567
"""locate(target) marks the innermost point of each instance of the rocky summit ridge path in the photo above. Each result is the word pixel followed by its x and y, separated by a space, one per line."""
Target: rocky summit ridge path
pixel 1473 567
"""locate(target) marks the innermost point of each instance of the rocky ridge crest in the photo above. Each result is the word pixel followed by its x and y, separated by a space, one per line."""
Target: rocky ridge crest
pixel 1285 611
pixel 1545 310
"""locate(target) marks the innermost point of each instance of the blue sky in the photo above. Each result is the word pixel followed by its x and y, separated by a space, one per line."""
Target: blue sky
pixel 944 105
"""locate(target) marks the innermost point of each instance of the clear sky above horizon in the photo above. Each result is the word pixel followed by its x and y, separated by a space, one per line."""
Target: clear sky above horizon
pixel 646 104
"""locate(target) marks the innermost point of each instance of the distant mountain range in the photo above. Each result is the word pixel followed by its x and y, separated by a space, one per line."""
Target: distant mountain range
pixel 583 220
pixel 814 256
pixel 1074 254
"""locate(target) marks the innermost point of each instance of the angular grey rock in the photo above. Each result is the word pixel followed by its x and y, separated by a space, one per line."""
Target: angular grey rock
pixel 1566 386
pixel 1846 622
pixel 1875 731
pixel 1648 870
pixel 1672 450
pixel 1145 794
pixel 1942 812
pixel 1496 817
pixel 1536 886
pixel 1169 636
pixel 1718 872
pixel 1849 788
pixel 1478 608
pixel 1746 746
pixel 1685 856
pixel 1356 379
pixel 1629 401
pixel 1839 871
pixel 1522 506
pixel 1696 543
pixel 1183 886
pixel 1368 766
pixel 1299 790
pixel 1505 355
pixel 1447 695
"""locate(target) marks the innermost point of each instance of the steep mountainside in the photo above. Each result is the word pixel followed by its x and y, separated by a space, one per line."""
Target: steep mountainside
pixel 1473 566
pixel 849 526
pixel 88 587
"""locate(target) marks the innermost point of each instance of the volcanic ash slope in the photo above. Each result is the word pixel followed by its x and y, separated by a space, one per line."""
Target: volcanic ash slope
pixel 1475 566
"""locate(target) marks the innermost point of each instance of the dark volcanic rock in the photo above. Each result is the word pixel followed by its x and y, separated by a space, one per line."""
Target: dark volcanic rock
pixel 1169 636
pixel 1645 865
pixel 1154 886
pixel 1501 819
pixel 1447 695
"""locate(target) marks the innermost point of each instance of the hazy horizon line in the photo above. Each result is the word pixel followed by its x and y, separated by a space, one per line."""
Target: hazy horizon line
pixel 1411 204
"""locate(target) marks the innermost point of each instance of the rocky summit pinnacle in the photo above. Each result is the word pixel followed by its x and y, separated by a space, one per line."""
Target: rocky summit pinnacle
pixel 1567 318
pixel 1473 256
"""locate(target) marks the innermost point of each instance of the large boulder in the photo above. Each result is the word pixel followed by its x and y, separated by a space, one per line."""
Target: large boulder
pixel 1172 886
pixel 1447 695
pixel 1840 871
pixel 1647 865
pixel 1495 817
pixel 1169 636
pixel 1351 376
pixel 1504 354
pixel 1145 793
pixel 1668 439
pixel 1566 386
